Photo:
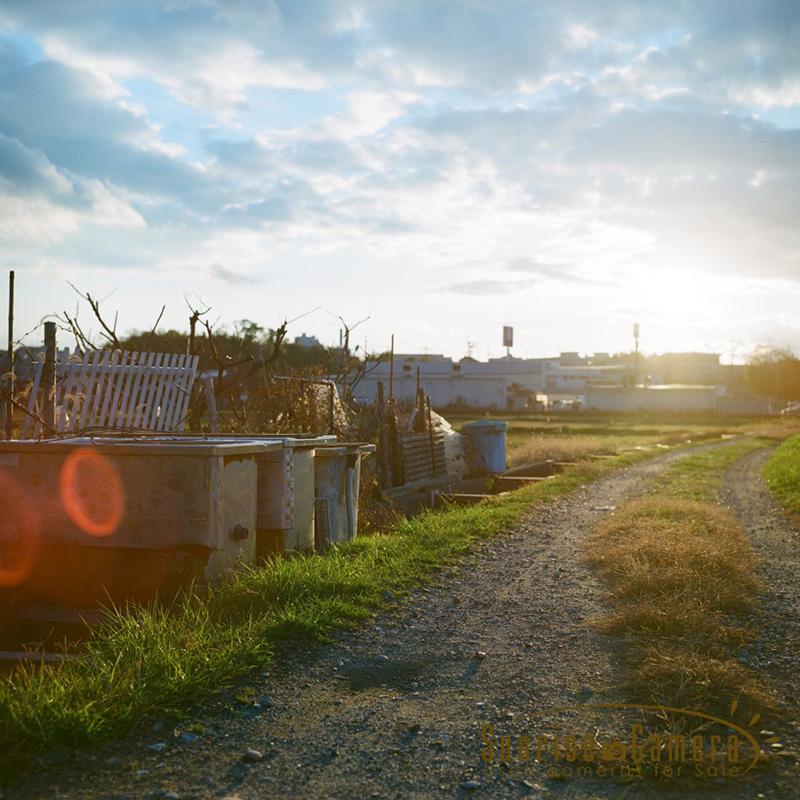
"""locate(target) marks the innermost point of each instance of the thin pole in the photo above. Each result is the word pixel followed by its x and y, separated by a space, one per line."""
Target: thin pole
pixel 49 375
pixel 430 437
pixel 9 402
pixel 391 370
pixel 383 455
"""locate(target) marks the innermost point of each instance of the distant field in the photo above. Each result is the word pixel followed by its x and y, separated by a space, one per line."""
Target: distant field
pixel 564 438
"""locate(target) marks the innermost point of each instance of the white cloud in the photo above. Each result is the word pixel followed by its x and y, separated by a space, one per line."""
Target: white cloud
pixel 446 140
pixel 581 36
pixel 368 113
pixel 784 95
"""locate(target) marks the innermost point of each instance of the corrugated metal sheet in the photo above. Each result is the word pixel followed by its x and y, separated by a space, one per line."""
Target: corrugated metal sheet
pixel 415 451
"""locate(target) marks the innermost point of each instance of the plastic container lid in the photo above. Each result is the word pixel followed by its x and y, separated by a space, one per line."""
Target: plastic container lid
pixel 485 426
pixel 344 448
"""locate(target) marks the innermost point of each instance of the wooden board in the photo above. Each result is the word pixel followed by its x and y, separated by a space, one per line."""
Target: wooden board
pixel 516 481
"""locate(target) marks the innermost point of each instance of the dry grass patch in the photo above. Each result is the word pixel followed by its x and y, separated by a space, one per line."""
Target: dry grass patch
pixel 674 676
pixel 579 447
pixel 778 428
pixel 541 446
pixel 530 447
pixel 679 553
pixel 708 632
pixel 682 580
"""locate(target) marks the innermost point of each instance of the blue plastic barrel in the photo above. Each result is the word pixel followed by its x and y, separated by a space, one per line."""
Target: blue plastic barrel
pixel 487 438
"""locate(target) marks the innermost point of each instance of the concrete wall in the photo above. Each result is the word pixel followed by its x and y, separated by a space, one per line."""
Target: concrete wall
pixel 647 398
pixel 475 391
pixel 745 405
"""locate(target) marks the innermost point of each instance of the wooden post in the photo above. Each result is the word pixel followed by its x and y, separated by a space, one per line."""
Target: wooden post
pixel 331 406
pixel 391 370
pixel 10 383
pixel 420 425
pixel 211 404
pixel 430 436
pixel 396 468
pixel 346 365
pixel 380 419
pixel 49 378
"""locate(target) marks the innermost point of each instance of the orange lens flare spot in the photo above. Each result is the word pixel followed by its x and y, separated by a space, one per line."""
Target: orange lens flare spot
pixel 20 532
pixel 92 493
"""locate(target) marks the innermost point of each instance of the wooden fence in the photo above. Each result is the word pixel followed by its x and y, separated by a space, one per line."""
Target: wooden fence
pixel 113 391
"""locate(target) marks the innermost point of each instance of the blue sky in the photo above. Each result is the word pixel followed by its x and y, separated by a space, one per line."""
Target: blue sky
pixel 446 168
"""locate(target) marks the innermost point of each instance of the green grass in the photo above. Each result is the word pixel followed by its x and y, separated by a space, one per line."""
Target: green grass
pixel 151 660
pixel 699 476
pixel 782 473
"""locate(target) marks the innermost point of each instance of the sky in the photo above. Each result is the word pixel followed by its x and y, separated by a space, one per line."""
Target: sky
pixel 442 168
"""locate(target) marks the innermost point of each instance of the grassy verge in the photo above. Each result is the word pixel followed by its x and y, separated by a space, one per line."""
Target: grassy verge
pixel 154 660
pixel 683 589
pixel 782 472
pixel 699 476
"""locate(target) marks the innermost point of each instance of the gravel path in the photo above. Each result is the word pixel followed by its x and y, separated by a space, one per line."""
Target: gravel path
pixel 776 652
pixel 395 709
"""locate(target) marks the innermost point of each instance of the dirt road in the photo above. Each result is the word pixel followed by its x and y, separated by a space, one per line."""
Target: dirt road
pixel 396 709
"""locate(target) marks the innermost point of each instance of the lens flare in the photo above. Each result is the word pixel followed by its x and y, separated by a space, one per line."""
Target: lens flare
pixel 92 493
pixel 20 532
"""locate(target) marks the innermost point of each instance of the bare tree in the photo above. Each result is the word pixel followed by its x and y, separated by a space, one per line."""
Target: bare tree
pixel 108 331
pixel 348 366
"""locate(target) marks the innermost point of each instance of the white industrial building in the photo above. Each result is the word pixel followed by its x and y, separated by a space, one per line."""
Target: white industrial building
pixel 567 381
pixel 499 383
pixel 467 383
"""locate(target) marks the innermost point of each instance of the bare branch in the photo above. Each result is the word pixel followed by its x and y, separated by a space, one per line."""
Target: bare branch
pixel 194 318
pixel 304 314
pixel 81 339
pixel 153 329
pixel 109 332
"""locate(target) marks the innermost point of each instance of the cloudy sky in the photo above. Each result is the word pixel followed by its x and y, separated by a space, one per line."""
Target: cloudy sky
pixel 445 167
